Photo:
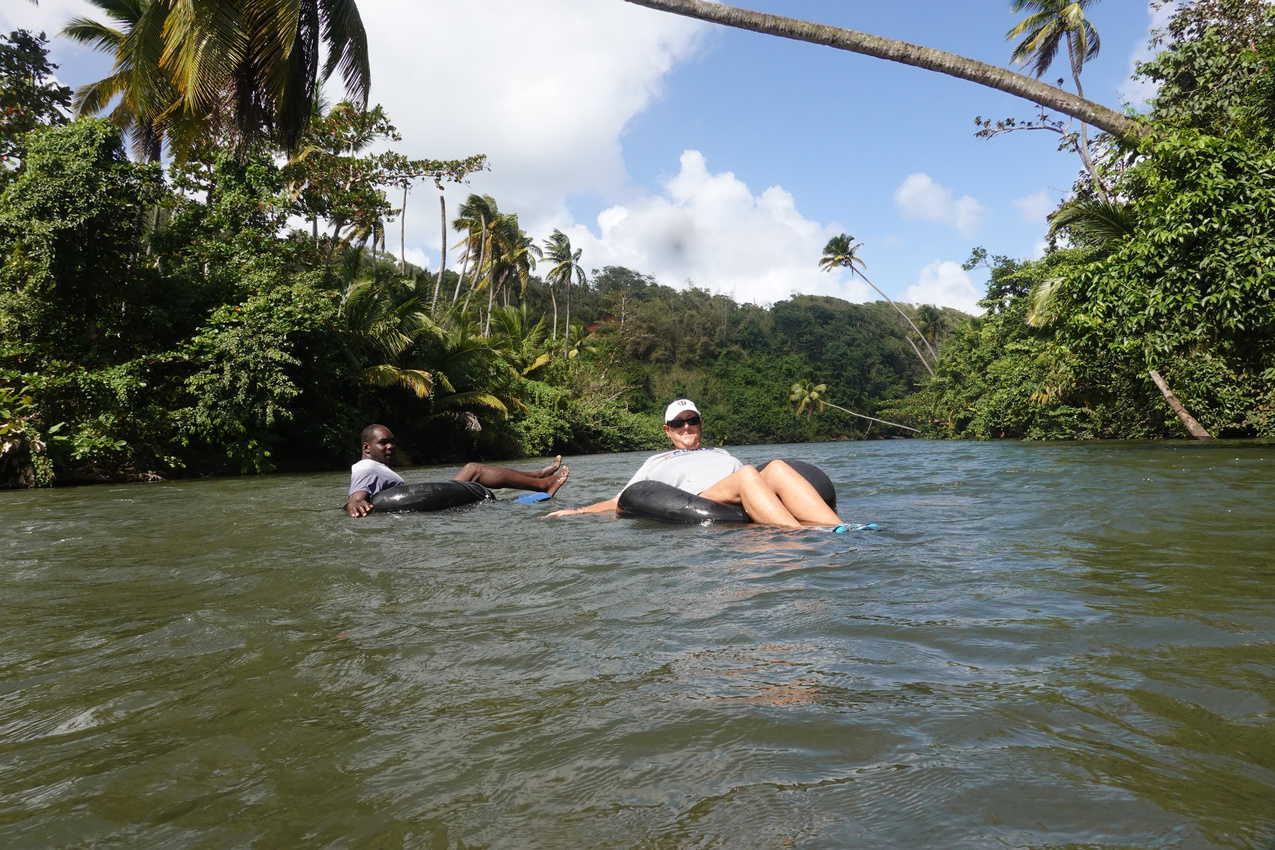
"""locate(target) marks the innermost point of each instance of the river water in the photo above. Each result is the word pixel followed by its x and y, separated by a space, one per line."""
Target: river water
pixel 1041 646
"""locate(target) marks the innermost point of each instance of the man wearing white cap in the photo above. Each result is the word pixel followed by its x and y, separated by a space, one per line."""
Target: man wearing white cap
pixel 778 495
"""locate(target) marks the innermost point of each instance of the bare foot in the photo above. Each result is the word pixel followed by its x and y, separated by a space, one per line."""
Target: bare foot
pixel 550 469
pixel 558 480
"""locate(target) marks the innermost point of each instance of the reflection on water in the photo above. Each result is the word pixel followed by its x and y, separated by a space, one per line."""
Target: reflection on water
pixel 1042 646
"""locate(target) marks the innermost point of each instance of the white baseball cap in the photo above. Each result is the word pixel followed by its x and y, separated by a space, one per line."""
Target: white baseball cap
pixel 680 406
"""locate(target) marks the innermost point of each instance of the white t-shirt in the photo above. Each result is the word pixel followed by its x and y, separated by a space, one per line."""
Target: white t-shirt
pixel 372 476
pixel 692 470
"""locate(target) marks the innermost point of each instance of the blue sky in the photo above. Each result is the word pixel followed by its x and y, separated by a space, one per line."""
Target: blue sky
pixel 719 157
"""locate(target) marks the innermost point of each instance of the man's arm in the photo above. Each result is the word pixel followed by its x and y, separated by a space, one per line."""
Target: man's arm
pixel 359 505
pixel 595 508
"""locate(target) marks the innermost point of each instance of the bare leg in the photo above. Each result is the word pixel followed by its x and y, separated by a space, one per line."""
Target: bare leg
pixel 503 476
pixel 799 497
pixel 745 486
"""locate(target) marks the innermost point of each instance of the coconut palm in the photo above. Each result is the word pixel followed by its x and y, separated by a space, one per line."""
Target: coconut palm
pixel 385 325
pixel 566 265
pixel 513 256
pixel 1050 25
pixel 928 58
pixel 843 252
pixel 518 340
pixel 142 91
pixel 265 54
pixel 1092 223
pixel 807 397
pixel 474 219
pixel 248 64
pixel 469 375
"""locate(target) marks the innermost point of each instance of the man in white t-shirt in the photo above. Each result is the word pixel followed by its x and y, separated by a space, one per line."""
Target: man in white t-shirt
pixel 777 495
pixel 372 473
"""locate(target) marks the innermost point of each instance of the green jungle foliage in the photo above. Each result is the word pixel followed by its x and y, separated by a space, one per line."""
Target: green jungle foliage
pixel 1175 272
pixel 156 324
pixel 160 323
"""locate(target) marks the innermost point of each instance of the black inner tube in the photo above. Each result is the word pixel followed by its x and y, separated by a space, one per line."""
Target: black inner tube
pixel 431 496
pixel 657 500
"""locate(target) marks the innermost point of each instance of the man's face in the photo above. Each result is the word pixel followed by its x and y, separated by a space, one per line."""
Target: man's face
pixel 684 430
pixel 381 448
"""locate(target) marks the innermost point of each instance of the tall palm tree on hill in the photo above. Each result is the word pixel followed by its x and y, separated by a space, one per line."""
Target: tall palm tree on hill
pixel 843 252
pixel 566 266
pixel 475 219
pixel 513 255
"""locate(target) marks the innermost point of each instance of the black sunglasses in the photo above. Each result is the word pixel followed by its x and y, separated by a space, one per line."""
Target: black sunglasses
pixel 679 424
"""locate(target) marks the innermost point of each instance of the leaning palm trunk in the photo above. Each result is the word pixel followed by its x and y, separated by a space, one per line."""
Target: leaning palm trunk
pixel 1085 156
pixel 442 258
pixel 1192 425
pixel 921 357
pixel 484 268
pixel 402 234
pixel 907 319
pixel 464 269
pixel 909 54
pixel 870 418
pixel 554 299
pixel 566 322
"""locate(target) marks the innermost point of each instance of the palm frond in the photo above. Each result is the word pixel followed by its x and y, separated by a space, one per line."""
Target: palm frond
pixel 1094 223
pixel 420 382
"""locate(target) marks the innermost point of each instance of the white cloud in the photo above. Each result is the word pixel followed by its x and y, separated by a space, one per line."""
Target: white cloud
pixel 920 197
pixel 1035 207
pixel 945 283
pixel 544 89
pixel 48 17
pixel 1136 92
pixel 712 230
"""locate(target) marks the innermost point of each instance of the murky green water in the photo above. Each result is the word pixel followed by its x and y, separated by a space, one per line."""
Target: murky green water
pixel 1043 646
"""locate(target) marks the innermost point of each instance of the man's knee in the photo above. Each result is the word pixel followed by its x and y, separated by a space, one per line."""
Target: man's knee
pixel 469 472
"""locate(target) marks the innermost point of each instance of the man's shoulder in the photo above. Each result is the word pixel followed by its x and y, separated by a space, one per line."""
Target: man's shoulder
pixel 367 465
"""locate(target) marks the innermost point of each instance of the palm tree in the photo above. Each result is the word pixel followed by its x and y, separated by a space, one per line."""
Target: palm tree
pixel 442 258
pixel 467 370
pixel 1092 223
pixel 475 219
pixel 518 340
pixel 932 323
pixel 385 325
pixel 807 397
pixel 144 91
pixel 265 54
pixel 512 254
pixel 843 252
pixel 1051 24
pixel 253 64
pixel 515 256
pixel 928 58
pixel 566 265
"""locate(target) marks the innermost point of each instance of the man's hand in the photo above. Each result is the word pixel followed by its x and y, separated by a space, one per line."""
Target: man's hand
pixel 563 512
pixel 358 505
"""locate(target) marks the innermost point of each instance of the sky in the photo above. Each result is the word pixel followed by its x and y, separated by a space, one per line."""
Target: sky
pixel 714 157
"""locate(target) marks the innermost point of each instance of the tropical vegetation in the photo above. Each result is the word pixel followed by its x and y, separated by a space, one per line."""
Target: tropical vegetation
pixel 226 300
